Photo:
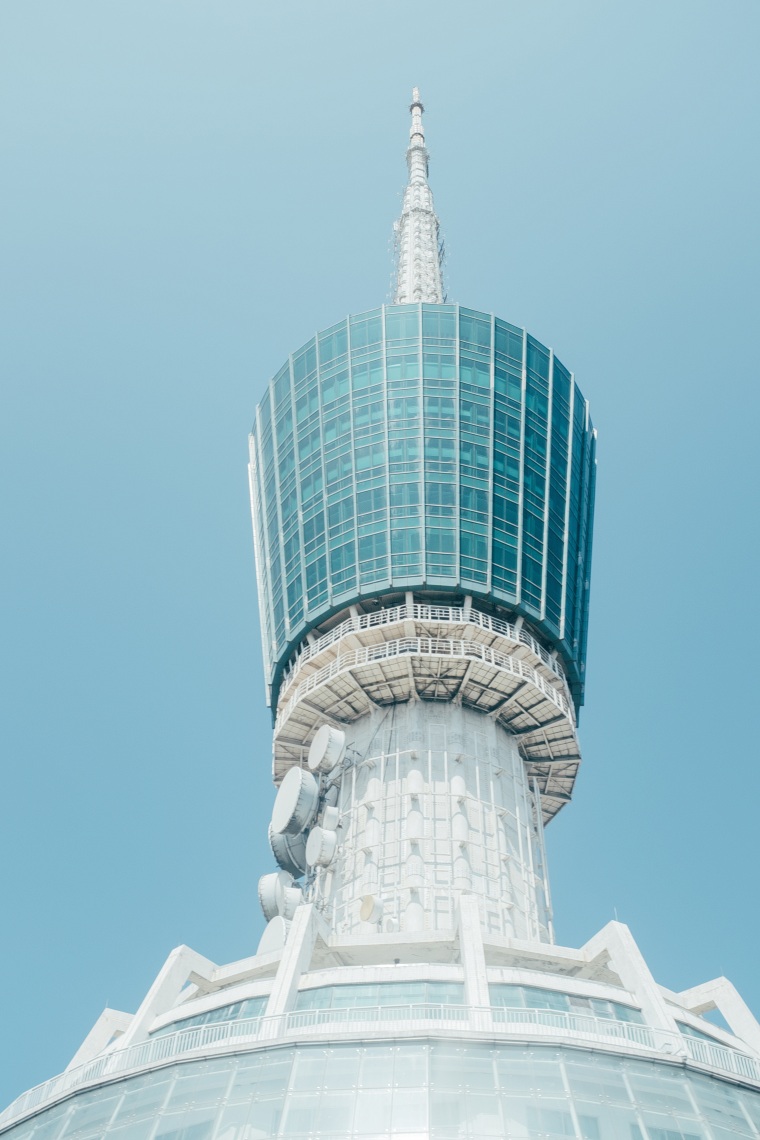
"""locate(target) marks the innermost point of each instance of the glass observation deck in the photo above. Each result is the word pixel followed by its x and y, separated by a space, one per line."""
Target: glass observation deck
pixel 429 448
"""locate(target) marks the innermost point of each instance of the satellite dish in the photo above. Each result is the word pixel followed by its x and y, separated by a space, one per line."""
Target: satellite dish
pixel 371 909
pixel 331 795
pixel 296 802
pixel 327 749
pixel 274 936
pixel 321 847
pixel 330 818
pixel 289 851
pixel 291 899
pixel 283 883
pixel 268 895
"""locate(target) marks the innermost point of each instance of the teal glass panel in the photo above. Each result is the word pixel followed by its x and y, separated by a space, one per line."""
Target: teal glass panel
pixel 282 386
pixel 333 343
pixel 508 342
pixel 475 331
pixel 443 411
pixel 366 330
pixel 367 373
pixel 402 322
pixel 538 359
pixel 439 322
pixel 305 364
pixel 473 371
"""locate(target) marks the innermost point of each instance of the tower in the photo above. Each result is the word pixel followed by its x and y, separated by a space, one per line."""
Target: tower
pixel 422 481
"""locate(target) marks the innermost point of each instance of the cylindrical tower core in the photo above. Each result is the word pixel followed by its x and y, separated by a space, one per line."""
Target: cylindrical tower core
pixel 434 801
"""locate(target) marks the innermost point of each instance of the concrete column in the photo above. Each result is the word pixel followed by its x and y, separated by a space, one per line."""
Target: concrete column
pixel 110 1022
pixel 164 992
pixel 472 952
pixel 722 995
pixel 296 958
pixel 626 960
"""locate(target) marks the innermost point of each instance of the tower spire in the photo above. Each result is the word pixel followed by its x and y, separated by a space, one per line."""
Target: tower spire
pixel 419 249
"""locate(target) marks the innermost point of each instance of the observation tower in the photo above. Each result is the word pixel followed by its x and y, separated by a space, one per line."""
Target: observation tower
pixel 422 485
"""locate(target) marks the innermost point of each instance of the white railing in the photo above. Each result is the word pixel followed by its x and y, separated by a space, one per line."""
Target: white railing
pixel 721 1057
pixel 146 1054
pixel 535 1024
pixel 425 647
pixel 374 1015
pixel 455 615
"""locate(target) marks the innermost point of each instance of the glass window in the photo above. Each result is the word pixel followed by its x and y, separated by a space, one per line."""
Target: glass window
pixel 305 363
pixel 402 322
pixel 475 330
pixel 381 993
pixel 366 329
pixel 456 1089
pixel 333 343
pixel 510 996
pixel 237 1011
pixel 439 322
pixel 475 372
pixel 509 341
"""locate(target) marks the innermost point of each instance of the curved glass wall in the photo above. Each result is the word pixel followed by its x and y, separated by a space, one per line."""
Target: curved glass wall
pixel 510 996
pixel 236 1011
pixel 375 994
pixel 416 1090
pixel 426 446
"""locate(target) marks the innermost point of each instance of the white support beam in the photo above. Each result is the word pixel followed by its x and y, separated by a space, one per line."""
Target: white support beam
pixel 296 958
pixel 472 952
pixel 616 942
pixel 722 995
pixel 181 965
pixel 111 1023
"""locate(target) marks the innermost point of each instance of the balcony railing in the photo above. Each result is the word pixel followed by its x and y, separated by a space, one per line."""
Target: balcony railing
pixel 455 615
pixel 500 1023
pixel 425 647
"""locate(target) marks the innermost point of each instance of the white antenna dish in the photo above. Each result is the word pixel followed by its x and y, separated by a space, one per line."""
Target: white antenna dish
pixel 274 936
pixel 330 819
pixel 292 897
pixel 283 884
pixel 327 749
pixel 289 851
pixel 268 895
pixel 331 795
pixel 296 802
pixel 321 847
pixel 371 909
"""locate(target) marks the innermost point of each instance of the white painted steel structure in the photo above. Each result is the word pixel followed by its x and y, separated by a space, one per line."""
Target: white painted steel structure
pixel 419 248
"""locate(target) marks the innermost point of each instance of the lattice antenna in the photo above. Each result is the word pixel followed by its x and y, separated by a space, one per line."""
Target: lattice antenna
pixel 419 246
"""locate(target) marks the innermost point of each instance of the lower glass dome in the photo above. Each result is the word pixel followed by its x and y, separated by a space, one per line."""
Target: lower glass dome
pixel 414 1090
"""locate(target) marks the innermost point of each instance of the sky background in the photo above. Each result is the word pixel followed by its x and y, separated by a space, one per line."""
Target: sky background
pixel 190 190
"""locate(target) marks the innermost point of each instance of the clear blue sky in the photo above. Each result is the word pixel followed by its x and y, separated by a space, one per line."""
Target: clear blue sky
pixel 190 189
